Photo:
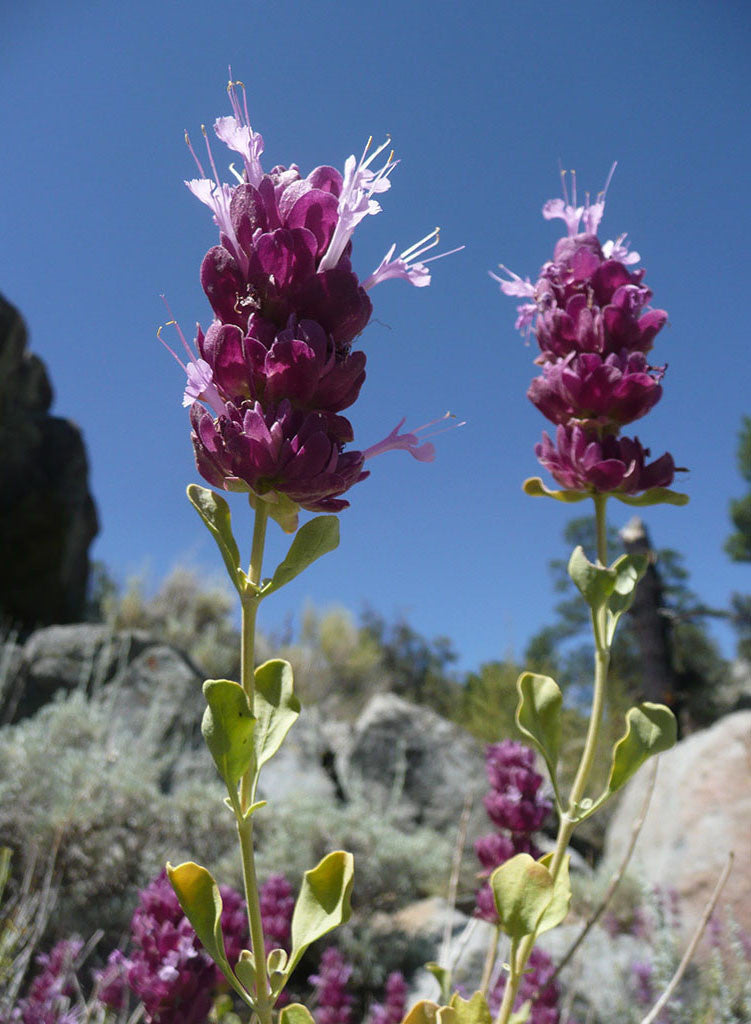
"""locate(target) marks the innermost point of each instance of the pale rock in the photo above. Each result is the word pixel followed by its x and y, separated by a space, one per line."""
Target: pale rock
pixel 700 811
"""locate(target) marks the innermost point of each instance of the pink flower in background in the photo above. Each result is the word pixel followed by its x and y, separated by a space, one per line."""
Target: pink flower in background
pixel 516 807
pixel 333 1002
pixel 167 968
pixel 394 1007
pixel 590 312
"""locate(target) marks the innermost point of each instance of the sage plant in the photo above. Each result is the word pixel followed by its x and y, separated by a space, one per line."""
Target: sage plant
pixel 267 384
pixel 590 312
pixel 591 315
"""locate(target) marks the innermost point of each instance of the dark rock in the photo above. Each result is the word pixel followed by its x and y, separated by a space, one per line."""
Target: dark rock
pixel 47 515
pixel 69 657
pixel 415 763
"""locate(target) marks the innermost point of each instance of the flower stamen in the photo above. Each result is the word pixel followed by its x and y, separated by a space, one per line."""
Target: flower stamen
pixel 419 448
pixel 200 386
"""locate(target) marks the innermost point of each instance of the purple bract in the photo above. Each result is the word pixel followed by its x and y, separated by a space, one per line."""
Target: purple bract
pixel 168 969
pixel 276 364
pixel 580 462
pixel 516 807
pixel 590 313
pixel 333 1003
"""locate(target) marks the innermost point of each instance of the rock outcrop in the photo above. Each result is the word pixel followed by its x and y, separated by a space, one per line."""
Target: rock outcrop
pixel 47 515
pixel 700 811
pixel 407 758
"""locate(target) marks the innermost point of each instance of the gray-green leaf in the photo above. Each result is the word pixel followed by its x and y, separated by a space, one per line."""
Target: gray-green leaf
pixel 314 539
pixel 443 976
pixel 560 901
pixel 276 707
pixel 539 715
pixel 654 496
pixel 629 569
pixel 245 969
pixel 201 901
pixel 471 1011
pixel 535 488
pixel 227 728
pixel 323 902
pixel 522 890
pixel 595 582
pixel 295 1013
pixel 650 729
pixel 215 513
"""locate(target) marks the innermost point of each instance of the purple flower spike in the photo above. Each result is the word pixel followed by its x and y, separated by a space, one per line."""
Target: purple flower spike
pixel 393 1010
pixel 112 981
pixel 590 313
pixel 276 366
pixel 52 993
pixel 597 393
pixel 516 807
pixel 168 969
pixel 334 1003
pixel 614 464
pixel 294 453
pixel 277 903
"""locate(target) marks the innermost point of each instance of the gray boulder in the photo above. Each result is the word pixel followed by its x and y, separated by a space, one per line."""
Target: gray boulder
pixel 47 515
pixel 305 763
pixel 700 811
pixel 67 658
pixel 414 763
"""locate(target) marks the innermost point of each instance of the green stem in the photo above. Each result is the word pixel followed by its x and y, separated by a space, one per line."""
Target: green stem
pixel 568 820
pixel 259 539
pixel 516 967
pixel 600 501
pixel 249 605
pixel 250 602
pixel 263 1000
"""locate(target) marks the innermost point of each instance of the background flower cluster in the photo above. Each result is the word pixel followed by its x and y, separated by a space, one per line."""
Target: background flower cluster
pixel 591 316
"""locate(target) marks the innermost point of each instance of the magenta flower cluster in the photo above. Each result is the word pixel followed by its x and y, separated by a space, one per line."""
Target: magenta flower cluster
pixel 536 986
pixel 394 1006
pixel 167 968
pixel 591 315
pixel 333 1002
pixel 516 807
pixel 277 902
pixel 52 995
pixel 276 369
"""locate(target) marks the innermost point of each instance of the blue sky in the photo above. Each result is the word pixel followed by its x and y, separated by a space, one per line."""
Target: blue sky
pixel 482 100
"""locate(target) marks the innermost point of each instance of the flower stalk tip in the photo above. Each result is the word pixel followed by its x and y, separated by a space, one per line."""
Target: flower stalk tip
pixel 269 380
pixel 591 315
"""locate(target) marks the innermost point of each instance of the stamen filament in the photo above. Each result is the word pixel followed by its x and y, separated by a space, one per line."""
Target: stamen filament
pixel 172 322
pixel 217 179
pixel 199 165
pixel 414 250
